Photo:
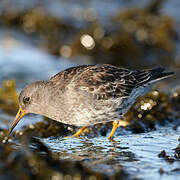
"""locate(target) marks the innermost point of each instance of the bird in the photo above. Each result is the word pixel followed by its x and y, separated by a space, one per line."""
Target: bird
pixel 86 95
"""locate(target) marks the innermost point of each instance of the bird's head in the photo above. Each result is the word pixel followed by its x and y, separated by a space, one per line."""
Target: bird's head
pixel 29 101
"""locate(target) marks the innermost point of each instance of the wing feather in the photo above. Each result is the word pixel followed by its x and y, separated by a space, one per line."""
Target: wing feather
pixel 107 81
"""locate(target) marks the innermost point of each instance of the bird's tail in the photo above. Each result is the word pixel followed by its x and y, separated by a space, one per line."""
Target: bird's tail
pixel 151 75
pixel 159 73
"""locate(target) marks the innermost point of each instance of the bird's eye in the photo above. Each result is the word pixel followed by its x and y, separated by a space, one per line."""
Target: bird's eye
pixel 26 99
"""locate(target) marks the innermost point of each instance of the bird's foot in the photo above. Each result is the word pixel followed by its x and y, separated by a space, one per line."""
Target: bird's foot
pixel 77 134
pixel 115 125
pixel 111 139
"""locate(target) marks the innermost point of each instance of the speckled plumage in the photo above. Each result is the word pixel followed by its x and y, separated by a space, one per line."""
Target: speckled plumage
pixel 89 94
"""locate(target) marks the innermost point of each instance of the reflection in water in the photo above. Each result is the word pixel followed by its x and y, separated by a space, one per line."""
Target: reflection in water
pixel 136 153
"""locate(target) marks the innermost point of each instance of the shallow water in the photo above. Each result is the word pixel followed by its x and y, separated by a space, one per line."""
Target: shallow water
pixel 136 153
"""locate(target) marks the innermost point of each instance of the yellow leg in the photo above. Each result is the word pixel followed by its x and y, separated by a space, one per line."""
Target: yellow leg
pixel 78 133
pixel 115 125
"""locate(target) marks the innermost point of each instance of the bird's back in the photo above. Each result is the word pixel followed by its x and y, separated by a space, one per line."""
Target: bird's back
pixel 107 81
pixel 98 93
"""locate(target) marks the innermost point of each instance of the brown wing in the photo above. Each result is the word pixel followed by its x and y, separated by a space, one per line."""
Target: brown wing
pixel 108 81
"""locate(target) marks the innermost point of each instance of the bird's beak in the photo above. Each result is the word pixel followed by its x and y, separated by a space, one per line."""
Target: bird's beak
pixel 19 116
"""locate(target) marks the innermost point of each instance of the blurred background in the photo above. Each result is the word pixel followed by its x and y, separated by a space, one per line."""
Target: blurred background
pixel 39 38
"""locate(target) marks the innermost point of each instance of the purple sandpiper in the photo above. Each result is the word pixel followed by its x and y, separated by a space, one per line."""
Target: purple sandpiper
pixel 88 94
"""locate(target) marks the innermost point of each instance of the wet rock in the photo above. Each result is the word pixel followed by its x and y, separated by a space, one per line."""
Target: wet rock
pixel 166 157
pixel 170 158
pixel 177 152
pixel 162 154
